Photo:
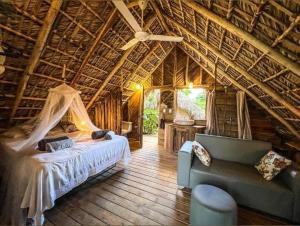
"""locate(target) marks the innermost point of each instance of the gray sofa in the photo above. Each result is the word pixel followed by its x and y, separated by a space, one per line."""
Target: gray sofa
pixel 232 169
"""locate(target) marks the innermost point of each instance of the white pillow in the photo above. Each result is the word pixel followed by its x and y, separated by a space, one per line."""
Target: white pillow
pixel 272 164
pixel 201 153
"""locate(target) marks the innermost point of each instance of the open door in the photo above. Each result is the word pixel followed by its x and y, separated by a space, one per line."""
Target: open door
pixel 135 115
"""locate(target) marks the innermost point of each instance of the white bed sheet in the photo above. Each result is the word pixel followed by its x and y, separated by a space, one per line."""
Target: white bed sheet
pixel 48 176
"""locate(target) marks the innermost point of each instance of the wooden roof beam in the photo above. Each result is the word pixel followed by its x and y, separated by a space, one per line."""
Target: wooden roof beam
pixel 94 45
pixel 256 15
pixel 37 51
pixel 222 39
pixel 161 60
pixel 281 59
pixel 117 66
pixel 230 9
pixel 239 86
pixel 279 39
pixel 142 62
pixel 242 71
pixel 159 15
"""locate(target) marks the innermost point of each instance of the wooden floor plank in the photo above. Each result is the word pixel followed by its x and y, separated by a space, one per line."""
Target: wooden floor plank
pixel 136 205
pixel 158 185
pixel 154 205
pixel 57 217
pixel 161 200
pixel 118 210
pixel 143 193
pixel 79 215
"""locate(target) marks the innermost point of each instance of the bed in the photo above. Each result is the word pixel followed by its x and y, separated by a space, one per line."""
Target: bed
pixel 43 177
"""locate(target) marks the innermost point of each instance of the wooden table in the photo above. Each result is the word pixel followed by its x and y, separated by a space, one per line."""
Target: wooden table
pixel 176 135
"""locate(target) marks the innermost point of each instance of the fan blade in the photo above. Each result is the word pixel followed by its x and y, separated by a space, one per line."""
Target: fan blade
pixel 121 6
pixel 129 44
pixel 165 38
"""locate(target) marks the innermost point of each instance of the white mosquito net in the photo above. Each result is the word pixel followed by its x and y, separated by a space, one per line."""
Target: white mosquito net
pixel 60 99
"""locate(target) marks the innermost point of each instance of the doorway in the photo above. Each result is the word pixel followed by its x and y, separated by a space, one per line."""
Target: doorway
pixel 151 115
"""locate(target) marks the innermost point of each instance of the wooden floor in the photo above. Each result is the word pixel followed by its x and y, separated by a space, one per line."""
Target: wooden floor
pixel 145 193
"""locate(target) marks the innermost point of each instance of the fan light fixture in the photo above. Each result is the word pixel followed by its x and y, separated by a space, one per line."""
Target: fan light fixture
pixel 140 35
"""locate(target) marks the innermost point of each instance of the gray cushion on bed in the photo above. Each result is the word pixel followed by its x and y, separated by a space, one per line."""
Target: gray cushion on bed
pixel 59 145
pixel 42 143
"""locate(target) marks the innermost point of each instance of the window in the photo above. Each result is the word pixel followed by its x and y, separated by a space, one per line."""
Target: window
pixel 191 104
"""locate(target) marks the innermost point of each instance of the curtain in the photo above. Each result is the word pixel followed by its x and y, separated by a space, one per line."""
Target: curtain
pixel 212 126
pixel 243 117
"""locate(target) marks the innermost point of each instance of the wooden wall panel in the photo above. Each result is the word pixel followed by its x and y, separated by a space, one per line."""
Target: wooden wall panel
pixel 135 115
pixel 226 110
pixel 108 114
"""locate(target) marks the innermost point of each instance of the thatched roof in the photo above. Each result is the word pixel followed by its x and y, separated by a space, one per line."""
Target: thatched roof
pixel 251 45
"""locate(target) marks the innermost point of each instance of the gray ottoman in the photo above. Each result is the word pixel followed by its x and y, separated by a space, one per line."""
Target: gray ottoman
pixel 212 206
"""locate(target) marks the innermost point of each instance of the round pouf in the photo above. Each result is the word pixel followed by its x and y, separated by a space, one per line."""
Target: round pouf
pixel 212 206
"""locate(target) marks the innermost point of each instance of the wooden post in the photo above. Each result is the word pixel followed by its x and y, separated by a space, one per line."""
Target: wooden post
pixel 186 78
pixel 175 68
pixel 36 53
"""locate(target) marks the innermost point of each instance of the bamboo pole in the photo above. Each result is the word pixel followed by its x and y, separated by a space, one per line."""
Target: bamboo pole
pixel 117 67
pixel 36 53
pixel 143 61
pixel 239 86
pixel 242 71
pixel 94 45
pixel 278 57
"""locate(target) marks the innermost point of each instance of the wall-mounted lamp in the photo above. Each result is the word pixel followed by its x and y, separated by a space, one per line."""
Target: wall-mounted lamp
pixel 138 86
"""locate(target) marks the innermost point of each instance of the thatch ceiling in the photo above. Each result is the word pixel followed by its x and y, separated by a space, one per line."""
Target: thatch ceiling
pixel 252 45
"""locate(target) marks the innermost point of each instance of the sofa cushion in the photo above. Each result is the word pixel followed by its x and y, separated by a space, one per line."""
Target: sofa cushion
pixel 201 153
pixel 233 149
pixel 272 164
pixel 246 186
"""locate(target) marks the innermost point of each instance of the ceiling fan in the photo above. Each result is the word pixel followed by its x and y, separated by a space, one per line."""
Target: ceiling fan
pixel 140 35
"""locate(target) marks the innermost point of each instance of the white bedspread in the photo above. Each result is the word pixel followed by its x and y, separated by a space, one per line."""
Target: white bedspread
pixel 48 176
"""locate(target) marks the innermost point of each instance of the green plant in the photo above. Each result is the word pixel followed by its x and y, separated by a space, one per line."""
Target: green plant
pixel 150 121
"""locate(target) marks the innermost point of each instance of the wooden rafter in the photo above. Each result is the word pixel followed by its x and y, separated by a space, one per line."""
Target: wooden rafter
pixel 162 59
pixel 36 53
pixel 230 9
pixel 242 71
pixel 287 31
pixel 278 57
pixel 159 15
pixel 236 84
pixel 145 59
pixel 117 67
pixel 256 15
pixel 94 45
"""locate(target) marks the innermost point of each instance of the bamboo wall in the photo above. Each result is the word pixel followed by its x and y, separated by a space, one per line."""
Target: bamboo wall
pixel 108 113
pixel 185 70
pixel 226 110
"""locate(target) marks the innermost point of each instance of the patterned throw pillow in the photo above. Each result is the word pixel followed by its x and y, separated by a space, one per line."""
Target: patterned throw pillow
pixel 271 164
pixel 201 153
